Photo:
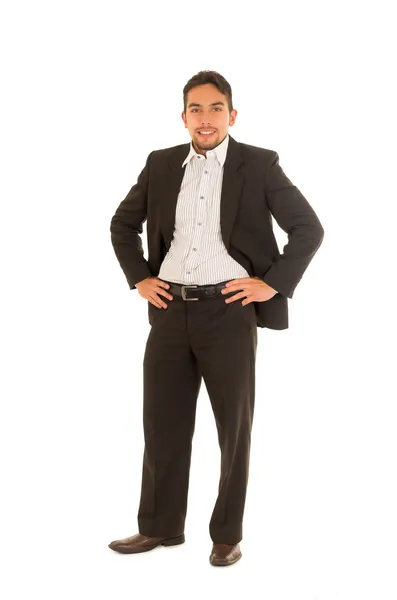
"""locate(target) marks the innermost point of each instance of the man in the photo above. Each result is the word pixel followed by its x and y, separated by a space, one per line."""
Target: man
pixel 214 274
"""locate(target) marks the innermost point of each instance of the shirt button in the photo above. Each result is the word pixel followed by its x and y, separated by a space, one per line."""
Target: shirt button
pixel 201 197
pixel 194 249
pixel 205 171
pixel 199 223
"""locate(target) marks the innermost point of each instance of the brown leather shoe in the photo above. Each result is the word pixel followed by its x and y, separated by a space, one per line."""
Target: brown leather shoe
pixel 223 555
pixel 143 543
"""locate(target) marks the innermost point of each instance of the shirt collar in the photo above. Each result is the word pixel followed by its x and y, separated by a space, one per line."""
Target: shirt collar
pixel 220 152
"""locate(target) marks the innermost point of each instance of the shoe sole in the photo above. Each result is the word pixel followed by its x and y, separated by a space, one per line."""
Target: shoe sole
pixel 174 541
pixel 221 563
pixel 167 542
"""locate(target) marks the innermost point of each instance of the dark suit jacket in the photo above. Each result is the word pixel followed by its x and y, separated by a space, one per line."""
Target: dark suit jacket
pixel 254 188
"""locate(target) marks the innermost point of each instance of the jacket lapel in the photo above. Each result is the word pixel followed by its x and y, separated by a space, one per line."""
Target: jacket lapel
pixel 230 196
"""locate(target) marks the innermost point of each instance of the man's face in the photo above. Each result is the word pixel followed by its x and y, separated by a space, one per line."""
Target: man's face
pixel 207 110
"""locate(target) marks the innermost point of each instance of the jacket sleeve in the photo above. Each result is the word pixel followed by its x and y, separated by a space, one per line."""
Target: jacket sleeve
pixel 126 229
pixel 297 218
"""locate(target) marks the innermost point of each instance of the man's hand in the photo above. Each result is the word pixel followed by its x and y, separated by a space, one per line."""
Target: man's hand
pixel 254 290
pixel 150 288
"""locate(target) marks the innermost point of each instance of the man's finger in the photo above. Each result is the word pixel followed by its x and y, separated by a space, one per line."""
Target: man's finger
pixel 243 280
pixel 166 295
pixel 154 302
pixel 163 284
pixel 235 297
pixel 236 287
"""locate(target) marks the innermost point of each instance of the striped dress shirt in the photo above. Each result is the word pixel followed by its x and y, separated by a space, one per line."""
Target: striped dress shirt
pixel 197 254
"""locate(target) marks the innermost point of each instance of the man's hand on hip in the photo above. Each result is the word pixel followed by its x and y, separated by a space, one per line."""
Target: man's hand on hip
pixel 151 287
pixel 253 289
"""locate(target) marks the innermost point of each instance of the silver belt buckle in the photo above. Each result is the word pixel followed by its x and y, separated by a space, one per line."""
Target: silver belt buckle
pixel 183 290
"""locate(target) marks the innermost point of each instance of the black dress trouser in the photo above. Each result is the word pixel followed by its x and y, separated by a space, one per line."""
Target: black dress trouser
pixel 187 341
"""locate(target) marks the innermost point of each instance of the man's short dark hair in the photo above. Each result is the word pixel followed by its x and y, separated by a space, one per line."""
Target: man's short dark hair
pixel 203 77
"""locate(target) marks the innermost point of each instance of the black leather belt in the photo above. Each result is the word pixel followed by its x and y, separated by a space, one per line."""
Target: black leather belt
pixel 196 292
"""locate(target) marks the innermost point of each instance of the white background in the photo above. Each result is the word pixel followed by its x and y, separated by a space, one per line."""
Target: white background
pixel 88 90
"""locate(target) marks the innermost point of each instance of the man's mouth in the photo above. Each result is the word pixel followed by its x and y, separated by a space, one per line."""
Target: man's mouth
pixel 206 132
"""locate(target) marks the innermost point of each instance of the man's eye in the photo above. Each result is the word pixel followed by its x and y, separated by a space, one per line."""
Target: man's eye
pixel 216 108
